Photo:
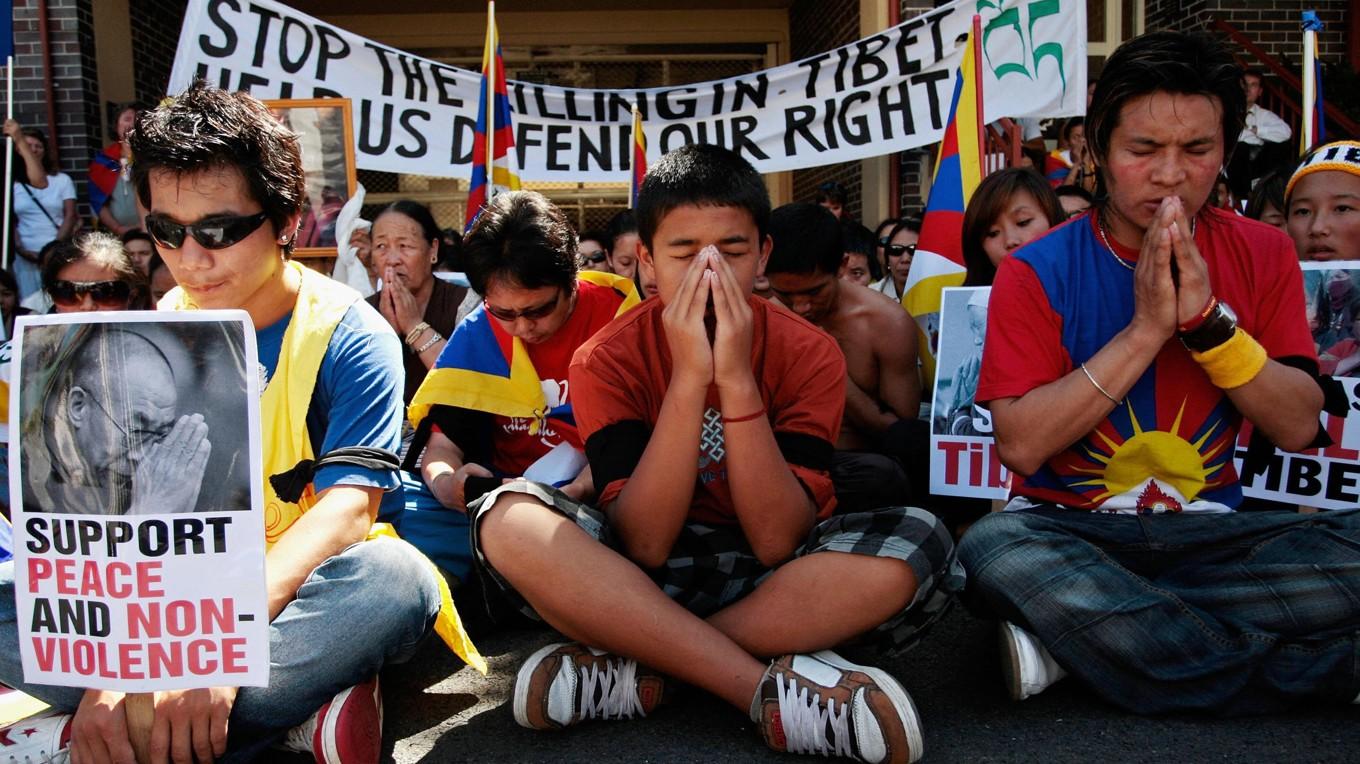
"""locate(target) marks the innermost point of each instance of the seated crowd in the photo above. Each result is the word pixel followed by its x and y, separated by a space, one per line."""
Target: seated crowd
pixel 708 463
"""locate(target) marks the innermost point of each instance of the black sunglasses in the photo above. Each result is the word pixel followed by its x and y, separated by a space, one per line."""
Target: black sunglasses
pixel 106 294
pixel 594 258
pixel 211 233
pixel 897 250
pixel 533 314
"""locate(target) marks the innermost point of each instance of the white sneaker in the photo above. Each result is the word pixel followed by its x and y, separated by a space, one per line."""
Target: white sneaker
pixel 568 683
pixel 1026 664
pixel 37 740
pixel 824 704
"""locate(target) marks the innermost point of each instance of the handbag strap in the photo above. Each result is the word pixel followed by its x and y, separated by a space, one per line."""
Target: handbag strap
pixel 45 213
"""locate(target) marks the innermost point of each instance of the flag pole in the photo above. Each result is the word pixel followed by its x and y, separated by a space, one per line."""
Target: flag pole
pixel 1309 89
pixel 489 75
pixel 9 156
pixel 977 86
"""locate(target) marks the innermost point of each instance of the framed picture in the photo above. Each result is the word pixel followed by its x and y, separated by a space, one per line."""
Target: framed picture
pixel 326 132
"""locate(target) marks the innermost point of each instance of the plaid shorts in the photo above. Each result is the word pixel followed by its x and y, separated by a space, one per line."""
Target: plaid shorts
pixel 712 566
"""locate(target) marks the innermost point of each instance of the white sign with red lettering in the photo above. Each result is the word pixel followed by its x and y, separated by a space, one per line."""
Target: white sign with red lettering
pixel 133 570
pixel 963 457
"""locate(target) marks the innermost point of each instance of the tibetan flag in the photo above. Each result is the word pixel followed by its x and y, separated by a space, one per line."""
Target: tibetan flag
pixel 493 141
pixel 1314 132
pixel 485 368
pixel 639 158
pixel 958 171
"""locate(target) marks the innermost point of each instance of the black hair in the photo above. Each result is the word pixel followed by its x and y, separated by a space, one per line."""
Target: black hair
pixel 523 240
pixel 831 191
pixel 594 234
pixel 1071 125
pixel 623 223
pixel 101 248
pixel 206 128
pixel 1171 62
pixel 429 229
pixel 703 176
pixel 1268 190
pixel 912 224
pixel 858 240
pixel 155 263
pixel 1077 191
pixel 137 234
pixel 8 281
pixel 807 239
pixel 987 204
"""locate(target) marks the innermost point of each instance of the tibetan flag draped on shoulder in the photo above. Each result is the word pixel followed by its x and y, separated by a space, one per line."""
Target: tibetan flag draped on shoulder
pixel 493 139
pixel 484 368
pixel 639 158
pixel 1314 129
pixel 958 171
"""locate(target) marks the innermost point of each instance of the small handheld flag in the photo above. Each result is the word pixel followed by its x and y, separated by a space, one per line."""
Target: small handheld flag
pixel 958 171
pixel 493 141
pixel 639 158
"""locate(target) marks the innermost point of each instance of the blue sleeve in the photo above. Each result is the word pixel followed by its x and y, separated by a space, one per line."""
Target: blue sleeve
pixel 357 401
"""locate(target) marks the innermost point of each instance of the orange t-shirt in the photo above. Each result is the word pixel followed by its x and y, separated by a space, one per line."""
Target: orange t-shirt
pixel 619 379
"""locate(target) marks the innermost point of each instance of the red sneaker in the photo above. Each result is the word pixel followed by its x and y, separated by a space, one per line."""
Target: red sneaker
pixel 347 730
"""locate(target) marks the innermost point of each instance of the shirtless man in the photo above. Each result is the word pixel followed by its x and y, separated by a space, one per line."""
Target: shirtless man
pixel 883 390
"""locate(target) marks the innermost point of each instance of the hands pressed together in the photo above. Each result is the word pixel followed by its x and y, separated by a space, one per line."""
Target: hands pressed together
pixel 397 304
pixel 725 359
pixel 170 474
pixel 1171 280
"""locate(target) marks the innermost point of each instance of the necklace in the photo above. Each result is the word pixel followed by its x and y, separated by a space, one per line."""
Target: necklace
pixel 1100 229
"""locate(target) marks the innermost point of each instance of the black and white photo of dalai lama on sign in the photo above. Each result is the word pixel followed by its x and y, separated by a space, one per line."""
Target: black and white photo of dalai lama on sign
pixel 133 414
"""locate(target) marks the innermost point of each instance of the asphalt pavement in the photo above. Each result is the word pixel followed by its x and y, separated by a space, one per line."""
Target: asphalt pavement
pixel 438 710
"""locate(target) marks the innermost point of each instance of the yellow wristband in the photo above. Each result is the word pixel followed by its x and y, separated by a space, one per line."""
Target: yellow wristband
pixel 1234 363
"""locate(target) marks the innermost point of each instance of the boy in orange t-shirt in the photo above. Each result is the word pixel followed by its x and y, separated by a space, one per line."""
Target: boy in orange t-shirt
pixel 709 417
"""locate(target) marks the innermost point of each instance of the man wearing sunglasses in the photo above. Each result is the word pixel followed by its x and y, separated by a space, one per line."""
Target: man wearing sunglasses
pixel 883 390
pixel 222 183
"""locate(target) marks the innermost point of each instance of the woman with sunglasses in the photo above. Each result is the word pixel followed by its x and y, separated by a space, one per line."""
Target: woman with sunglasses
pixel 476 429
pixel 92 272
pixel 898 247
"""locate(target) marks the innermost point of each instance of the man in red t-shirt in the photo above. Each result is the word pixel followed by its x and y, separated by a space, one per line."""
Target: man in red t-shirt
pixel 709 418
pixel 1117 379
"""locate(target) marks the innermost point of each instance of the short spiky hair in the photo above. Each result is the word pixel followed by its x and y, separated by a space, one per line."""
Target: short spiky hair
pixel 702 176
pixel 206 128
pixel 1171 62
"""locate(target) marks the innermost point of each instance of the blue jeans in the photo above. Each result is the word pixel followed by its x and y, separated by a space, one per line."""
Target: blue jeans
pixel 1228 613
pixel 366 607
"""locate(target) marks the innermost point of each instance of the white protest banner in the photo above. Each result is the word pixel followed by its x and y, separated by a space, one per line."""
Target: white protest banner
pixel 135 571
pixel 1326 478
pixel 888 92
pixel 963 458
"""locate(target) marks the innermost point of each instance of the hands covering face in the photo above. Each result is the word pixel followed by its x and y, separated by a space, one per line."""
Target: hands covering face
pixel 710 292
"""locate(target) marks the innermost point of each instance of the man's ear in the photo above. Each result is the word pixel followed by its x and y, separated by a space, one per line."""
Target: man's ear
pixel 643 253
pixel 845 266
pixel 766 247
pixel 78 406
pixel 290 229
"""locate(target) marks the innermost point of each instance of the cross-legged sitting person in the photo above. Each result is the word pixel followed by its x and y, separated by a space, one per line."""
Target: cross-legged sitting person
pixel 709 417
pixel 222 183
pixel 878 338
pixel 1124 350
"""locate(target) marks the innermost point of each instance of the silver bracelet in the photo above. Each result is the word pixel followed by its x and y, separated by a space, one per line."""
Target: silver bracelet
pixel 434 338
pixel 1102 390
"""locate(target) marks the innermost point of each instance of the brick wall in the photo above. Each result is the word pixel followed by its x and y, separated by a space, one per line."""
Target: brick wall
pixel 76 130
pixel 155 34
pixel 1271 24
pixel 816 26
pixel 913 166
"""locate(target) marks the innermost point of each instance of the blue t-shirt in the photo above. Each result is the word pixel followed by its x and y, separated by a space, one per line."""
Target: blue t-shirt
pixel 357 400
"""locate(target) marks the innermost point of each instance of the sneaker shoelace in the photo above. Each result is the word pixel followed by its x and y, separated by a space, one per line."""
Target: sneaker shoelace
pixel 610 692
pixel 299 739
pixel 806 720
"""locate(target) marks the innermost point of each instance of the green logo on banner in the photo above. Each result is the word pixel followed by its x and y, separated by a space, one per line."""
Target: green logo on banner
pixel 1009 20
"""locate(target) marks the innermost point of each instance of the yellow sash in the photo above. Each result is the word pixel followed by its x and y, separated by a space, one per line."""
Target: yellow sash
pixel 321 304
